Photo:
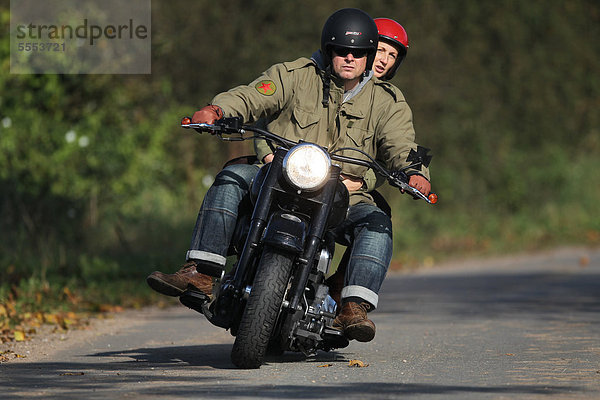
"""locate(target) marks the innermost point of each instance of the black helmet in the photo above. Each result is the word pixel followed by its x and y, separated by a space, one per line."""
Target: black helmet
pixel 350 28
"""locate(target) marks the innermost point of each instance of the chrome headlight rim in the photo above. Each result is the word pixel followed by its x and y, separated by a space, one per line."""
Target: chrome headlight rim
pixel 288 167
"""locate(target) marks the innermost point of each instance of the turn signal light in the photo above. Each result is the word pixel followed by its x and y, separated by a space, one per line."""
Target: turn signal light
pixel 432 198
pixel 186 121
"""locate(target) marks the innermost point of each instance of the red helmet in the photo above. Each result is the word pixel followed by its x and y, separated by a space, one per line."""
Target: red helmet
pixel 392 32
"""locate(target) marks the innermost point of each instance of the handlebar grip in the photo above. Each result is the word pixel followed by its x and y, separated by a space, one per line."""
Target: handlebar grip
pixel 432 198
pixel 231 125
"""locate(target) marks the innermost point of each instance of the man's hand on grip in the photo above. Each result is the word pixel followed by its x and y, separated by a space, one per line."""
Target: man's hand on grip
pixel 207 115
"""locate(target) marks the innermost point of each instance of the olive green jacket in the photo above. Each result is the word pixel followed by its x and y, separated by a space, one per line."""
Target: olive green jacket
pixel 376 120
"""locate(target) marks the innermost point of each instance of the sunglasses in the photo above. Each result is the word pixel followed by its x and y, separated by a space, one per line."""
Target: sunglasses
pixel 344 51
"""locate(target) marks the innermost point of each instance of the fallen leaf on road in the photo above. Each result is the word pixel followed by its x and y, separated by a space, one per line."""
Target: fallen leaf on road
pixel 357 363
pixel 110 308
pixel 324 365
pixel 19 336
pixel 72 373
pixel 4 357
pixel 9 355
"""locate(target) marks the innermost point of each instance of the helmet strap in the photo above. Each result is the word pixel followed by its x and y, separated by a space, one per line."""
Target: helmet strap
pixel 326 78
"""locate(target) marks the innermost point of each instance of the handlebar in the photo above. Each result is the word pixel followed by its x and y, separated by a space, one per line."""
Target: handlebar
pixel 432 198
pixel 234 125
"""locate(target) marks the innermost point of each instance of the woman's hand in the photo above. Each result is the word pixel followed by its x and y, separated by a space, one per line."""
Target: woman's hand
pixel 420 183
pixel 352 184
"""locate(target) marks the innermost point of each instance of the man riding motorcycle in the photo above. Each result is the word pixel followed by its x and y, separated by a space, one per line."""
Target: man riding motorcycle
pixel 391 51
pixel 336 103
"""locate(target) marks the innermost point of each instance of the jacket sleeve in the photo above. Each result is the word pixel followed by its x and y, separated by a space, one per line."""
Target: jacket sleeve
pixel 261 147
pixel 373 180
pixel 264 96
pixel 395 136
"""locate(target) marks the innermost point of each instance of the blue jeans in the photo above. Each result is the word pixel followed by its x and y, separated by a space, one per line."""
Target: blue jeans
pixel 368 231
pixel 218 214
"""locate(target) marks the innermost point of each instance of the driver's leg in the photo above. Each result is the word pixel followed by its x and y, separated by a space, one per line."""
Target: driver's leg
pixel 212 234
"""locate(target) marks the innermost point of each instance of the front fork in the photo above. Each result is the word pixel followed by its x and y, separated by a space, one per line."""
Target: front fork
pixel 232 293
pixel 313 243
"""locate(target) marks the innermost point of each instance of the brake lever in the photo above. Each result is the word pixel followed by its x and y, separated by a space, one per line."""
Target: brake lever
pixel 399 179
pixel 224 125
pixel 186 123
pixel 416 194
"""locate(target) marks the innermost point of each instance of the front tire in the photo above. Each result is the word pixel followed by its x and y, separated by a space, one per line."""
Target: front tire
pixel 262 309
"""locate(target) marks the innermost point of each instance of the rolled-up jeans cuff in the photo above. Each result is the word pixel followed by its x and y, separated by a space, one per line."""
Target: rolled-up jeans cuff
pixel 209 263
pixel 362 292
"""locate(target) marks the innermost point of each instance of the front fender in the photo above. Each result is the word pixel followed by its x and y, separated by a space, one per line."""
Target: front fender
pixel 285 231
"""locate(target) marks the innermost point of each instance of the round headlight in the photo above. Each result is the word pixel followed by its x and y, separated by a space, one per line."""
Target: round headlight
pixel 306 166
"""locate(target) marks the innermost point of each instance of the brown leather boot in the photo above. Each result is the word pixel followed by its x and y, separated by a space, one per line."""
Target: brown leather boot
pixel 353 321
pixel 175 284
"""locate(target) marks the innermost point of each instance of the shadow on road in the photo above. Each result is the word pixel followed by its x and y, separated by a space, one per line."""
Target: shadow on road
pixel 79 380
pixel 359 390
pixel 215 356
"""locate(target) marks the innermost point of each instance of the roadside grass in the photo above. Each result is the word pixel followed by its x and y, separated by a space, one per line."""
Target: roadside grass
pixel 561 212
pixel 66 305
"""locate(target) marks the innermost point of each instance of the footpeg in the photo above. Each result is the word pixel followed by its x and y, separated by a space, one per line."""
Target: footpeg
pixel 334 339
pixel 194 299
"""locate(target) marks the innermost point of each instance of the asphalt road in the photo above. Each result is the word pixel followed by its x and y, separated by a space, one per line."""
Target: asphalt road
pixel 520 327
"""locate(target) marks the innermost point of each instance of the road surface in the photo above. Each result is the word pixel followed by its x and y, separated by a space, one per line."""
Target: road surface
pixel 523 327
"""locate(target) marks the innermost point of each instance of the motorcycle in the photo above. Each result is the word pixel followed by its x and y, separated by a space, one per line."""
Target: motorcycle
pixel 275 299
